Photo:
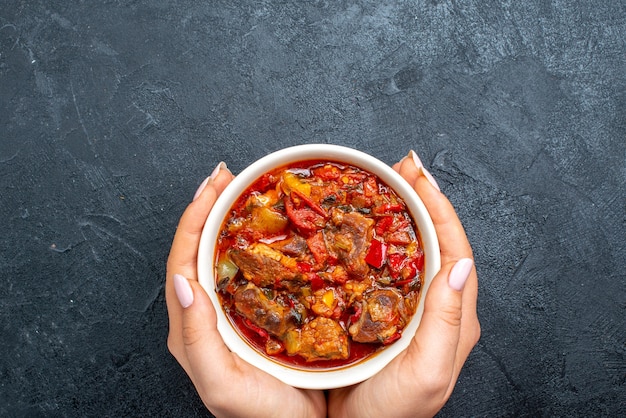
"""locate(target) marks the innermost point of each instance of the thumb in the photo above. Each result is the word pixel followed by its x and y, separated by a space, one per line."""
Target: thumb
pixel 207 355
pixel 436 340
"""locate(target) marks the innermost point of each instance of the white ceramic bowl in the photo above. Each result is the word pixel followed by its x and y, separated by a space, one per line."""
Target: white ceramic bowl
pixel 307 378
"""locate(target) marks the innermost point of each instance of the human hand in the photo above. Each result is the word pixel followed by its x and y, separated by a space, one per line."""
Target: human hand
pixel 420 380
pixel 227 385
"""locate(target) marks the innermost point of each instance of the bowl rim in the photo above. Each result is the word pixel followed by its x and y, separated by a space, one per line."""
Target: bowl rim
pixel 315 378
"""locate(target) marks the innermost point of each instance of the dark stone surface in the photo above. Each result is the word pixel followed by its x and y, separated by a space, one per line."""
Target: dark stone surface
pixel 111 113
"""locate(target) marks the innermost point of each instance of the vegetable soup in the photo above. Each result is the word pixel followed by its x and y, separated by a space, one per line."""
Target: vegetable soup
pixel 319 264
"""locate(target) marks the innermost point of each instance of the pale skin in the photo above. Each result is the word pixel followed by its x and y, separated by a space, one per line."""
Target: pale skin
pixel 415 384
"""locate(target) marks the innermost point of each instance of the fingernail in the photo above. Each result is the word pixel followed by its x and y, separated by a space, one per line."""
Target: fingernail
pixel 416 159
pixel 430 178
pixel 426 173
pixel 216 171
pixel 183 290
pixel 202 187
pixel 459 273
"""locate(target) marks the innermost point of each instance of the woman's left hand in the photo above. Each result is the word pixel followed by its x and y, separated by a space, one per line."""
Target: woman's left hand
pixel 420 380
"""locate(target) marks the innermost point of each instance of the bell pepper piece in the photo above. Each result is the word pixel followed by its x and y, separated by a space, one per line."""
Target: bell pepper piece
pixel 304 267
pixel 393 338
pixel 328 298
pixel 377 254
pixel 258 330
pixel 316 281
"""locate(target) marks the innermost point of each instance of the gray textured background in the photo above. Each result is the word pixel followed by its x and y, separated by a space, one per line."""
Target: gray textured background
pixel 112 113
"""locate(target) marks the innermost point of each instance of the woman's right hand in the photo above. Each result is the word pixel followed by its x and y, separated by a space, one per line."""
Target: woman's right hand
pixel 228 386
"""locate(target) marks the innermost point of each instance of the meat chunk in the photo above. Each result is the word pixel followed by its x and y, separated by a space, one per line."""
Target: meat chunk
pixel 349 242
pixel 322 338
pixel 317 246
pixel 293 246
pixel 383 312
pixel 263 312
pixel 265 266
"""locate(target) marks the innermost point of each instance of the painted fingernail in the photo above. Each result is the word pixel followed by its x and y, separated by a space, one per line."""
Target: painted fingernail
pixel 430 178
pixel 216 171
pixel 459 273
pixel 426 173
pixel 416 159
pixel 202 187
pixel 183 290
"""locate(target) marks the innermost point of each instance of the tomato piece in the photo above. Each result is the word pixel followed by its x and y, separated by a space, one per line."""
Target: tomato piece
pixel 383 225
pixel 377 254
pixel 405 268
pixel 370 187
pixel 419 260
pixel 318 248
pixel 265 182
pixel 304 218
pixel 399 238
pixel 357 313
pixel 388 208
pixel 327 172
pixel 395 263
pixel 310 203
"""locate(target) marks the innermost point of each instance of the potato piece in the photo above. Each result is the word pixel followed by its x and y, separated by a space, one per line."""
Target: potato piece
pixel 291 341
pixel 268 221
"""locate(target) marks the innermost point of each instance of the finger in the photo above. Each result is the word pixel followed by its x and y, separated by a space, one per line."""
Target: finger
pixel 450 232
pixel 453 246
pixel 397 165
pixel 184 252
pixel 411 167
pixel 407 168
pixel 453 242
pixel 434 348
pixel 207 356
pixel 469 331
pixel 470 325
pixel 183 255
